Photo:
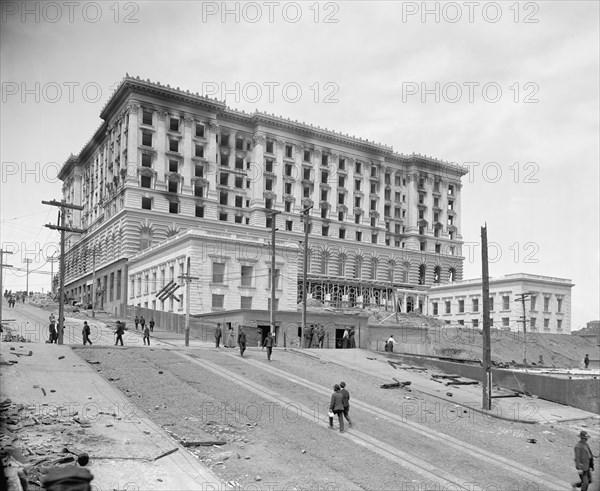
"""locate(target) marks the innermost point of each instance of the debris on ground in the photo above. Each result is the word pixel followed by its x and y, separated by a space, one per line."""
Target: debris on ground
pixel 396 385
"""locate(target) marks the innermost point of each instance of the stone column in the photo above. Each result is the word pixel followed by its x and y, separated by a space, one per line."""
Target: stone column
pixel 210 173
pixel 132 110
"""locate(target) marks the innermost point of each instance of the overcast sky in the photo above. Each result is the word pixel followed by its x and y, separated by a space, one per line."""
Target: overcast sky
pixel 509 89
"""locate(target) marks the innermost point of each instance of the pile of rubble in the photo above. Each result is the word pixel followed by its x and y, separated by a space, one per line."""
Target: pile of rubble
pixel 30 453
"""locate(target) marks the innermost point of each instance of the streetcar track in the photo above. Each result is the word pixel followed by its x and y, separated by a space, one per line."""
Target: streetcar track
pixel 407 461
pixel 489 457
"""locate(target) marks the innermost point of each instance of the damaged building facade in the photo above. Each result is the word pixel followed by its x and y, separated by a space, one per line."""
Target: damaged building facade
pixel 383 226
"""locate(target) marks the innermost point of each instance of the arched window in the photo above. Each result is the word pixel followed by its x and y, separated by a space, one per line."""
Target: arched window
pixel 342 265
pixel 374 266
pixel 145 239
pixel 452 275
pixel 437 274
pixel 422 274
pixel 325 262
pixel 358 262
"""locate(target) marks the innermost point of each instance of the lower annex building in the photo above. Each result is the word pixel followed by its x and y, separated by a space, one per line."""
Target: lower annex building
pixel 165 161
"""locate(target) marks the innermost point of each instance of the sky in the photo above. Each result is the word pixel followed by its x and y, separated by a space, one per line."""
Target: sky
pixel 508 89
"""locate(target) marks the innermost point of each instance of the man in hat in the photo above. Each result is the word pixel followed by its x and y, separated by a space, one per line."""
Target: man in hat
pixel 218 334
pixel 241 340
pixel 584 461
pixel 85 332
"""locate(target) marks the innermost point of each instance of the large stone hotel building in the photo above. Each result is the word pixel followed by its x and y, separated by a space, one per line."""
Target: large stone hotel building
pixel 169 170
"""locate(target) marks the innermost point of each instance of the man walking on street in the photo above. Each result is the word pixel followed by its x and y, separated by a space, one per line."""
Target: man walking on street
pixel 336 406
pixel 151 323
pixel 147 334
pixel 584 461
pixel 119 332
pixel 85 332
pixel 269 345
pixel 142 323
pixel 242 340
pixel 218 334
pixel 346 400
pixel 136 321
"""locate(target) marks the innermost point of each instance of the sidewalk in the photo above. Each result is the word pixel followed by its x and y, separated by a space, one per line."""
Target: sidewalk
pixel 522 409
pixel 58 400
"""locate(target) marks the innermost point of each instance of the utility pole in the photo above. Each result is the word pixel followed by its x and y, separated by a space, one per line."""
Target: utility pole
pixel 487 351
pixel 28 262
pixel 51 260
pixel 273 270
pixel 2 265
pixel 188 279
pixel 305 218
pixel 521 298
pixel 63 205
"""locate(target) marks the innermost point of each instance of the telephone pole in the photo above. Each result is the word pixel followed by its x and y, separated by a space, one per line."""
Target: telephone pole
pixel 273 270
pixel 305 218
pixel 2 265
pixel 51 260
pixel 28 262
pixel 63 205
pixel 487 350
pixel 188 279
pixel 521 298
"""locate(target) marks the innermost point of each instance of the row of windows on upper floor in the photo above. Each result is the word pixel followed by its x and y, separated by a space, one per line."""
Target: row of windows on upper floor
pixel 506 304
pixel 505 323
pixel 174 145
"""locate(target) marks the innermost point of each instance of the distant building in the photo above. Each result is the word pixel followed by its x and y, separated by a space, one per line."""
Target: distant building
pixel 166 160
pixel 547 310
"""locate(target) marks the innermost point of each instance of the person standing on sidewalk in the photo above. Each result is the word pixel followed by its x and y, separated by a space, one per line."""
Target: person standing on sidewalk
pixel 218 334
pixel 269 345
pixel 321 336
pixel 147 335
pixel 389 346
pixel 119 332
pixel 346 400
pixel 242 340
pixel 85 332
pixel 151 324
pixel 584 461
pixel 586 360
pixel 230 342
pixel 336 406
pixel 136 321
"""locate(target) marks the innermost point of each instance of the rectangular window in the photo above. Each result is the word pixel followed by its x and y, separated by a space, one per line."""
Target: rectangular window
pixel 247 272
pixel 146 181
pixel 173 166
pixel 341 181
pixel 559 304
pixel 546 304
pixel 533 298
pixel 325 231
pixel 475 305
pixel 324 176
pixel 223 198
pixel 546 323
pixel 246 303
pixel 146 139
pixel 324 211
pixel 239 182
pixel 218 301
pixel 324 159
pixel 505 322
pixel 147 117
pixel 357 183
pixel 268 165
pixel 357 202
pixel 268 205
pixel 373 238
pixel 198 190
pixel 239 144
pixel 342 233
pixel 173 207
pixel 323 194
pixel 239 163
pixel 435 308
pixel 199 150
pixel 269 148
pixel 357 218
pixel 146 160
pixel 199 211
pixel 342 164
pixel 238 218
pixel 222 216
pixel 146 203
pixel 277 275
pixel 475 322
pixel 174 124
pixel 288 206
pixel 199 130
pixel 218 274
pixel 198 171
pixel 448 307
pixel 306 155
pixel 423 245
pixel 288 151
pixel 239 201
pixel 559 324
pixel 491 303
pixel 532 323
pixel 173 186
pixel 289 225
pixel 358 236
pixel 341 216
pixel 288 169
pixel 505 302
pixel 306 174
pixel 174 145
pixel 358 168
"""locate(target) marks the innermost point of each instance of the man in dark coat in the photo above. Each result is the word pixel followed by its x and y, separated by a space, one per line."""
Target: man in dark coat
pixel 242 340
pixel 85 332
pixel 346 399
pixel 136 321
pixel 142 323
pixel 119 332
pixel 336 406
pixel 218 334
pixel 151 324
pixel 269 345
pixel 321 336
pixel 584 461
